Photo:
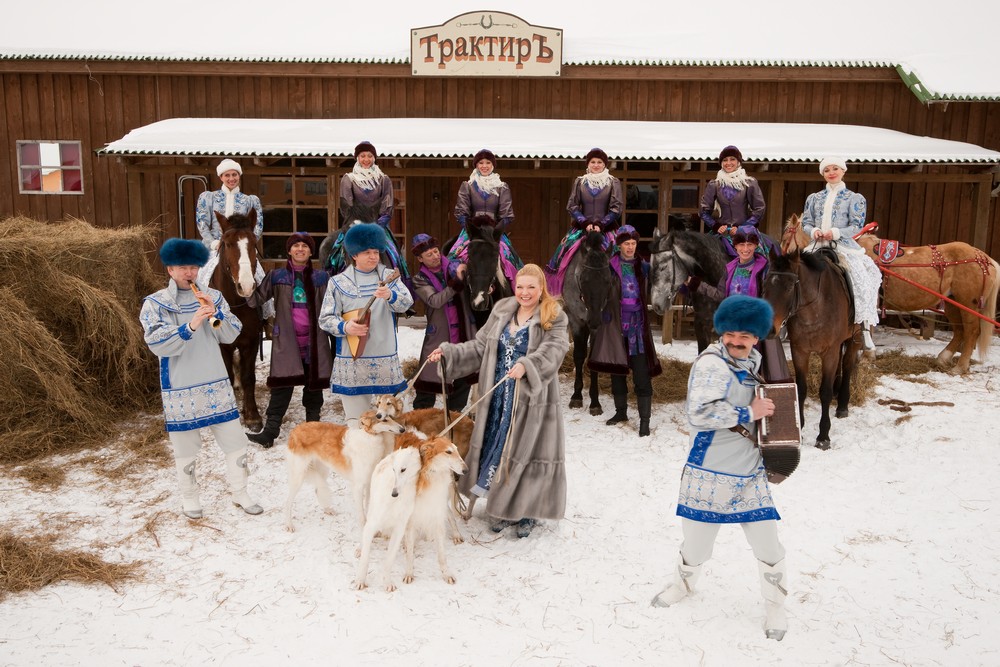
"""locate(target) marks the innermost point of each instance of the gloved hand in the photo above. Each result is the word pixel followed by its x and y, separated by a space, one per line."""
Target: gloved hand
pixel 215 245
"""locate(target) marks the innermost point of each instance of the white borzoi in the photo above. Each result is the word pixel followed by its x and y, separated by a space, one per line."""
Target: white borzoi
pixel 315 447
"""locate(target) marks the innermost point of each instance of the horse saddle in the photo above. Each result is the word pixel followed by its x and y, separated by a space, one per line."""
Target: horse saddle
pixel 833 257
pixel 888 250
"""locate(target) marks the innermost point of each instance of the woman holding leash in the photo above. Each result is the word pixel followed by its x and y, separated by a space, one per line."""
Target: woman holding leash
pixel 517 453
pixel 375 369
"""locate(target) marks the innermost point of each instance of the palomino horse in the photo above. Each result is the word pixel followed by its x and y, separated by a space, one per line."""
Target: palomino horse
pixel 956 270
pixel 586 291
pixel 675 256
pixel 810 297
pixel 234 277
pixel 485 279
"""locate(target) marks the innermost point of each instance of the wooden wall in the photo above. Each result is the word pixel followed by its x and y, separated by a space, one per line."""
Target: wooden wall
pixel 100 102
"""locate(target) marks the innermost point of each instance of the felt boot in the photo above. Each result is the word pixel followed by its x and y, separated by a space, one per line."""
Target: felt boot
pixel 236 472
pixel 685 578
pixel 645 408
pixel 866 337
pixel 621 410
pixel 524 527
pixel 187 485
pixel 773 584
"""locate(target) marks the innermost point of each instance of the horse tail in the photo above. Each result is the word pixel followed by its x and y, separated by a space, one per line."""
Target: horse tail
pixel 989 309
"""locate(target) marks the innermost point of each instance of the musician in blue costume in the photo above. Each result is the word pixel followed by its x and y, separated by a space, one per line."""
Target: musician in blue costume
pixel 377 369
pixel 724 480
pixel 194 384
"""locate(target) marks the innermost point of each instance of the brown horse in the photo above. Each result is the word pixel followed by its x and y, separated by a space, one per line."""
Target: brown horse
pixel 956 270
pixel 234 277
pixel 810 297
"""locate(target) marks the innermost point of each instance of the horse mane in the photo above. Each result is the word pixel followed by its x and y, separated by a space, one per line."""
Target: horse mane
pixel 240 221
pixel 595 241
pixel 812 261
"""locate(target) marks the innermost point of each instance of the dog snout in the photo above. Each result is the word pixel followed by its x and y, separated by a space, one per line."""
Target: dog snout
pixel 395 493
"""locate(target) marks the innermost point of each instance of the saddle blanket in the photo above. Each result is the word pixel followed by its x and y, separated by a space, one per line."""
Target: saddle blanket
pixel 887 251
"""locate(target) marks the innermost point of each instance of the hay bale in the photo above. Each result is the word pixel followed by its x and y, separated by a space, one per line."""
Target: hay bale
pixel 668 387
pixel 73 362
pixel 29 564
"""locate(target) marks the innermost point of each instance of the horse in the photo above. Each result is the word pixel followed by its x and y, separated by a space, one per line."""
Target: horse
pixel 810 297
pixel 675 256
pixel 485 279
pixel 956 270
pixel 586 293
pixel 234 277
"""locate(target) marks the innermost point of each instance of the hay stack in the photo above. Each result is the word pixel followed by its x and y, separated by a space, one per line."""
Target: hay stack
pixel 72 360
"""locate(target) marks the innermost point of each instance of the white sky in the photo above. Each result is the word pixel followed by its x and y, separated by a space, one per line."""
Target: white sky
pixel 948 44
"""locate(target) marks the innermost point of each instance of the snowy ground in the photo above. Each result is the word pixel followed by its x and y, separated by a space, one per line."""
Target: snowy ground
pixel 893 555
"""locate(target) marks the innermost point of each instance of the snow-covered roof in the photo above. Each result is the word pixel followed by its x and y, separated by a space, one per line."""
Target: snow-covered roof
pixel 944 50
pixel 540 138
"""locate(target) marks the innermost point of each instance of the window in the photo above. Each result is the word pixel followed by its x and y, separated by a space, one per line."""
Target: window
pixel 293 204
pixel 50 167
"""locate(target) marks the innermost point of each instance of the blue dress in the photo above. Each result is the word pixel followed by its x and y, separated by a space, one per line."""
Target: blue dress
pixel 510 348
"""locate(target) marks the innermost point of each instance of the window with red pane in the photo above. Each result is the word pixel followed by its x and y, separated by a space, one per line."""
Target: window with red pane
pixel 50 167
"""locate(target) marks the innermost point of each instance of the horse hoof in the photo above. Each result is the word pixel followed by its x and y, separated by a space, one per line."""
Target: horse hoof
pixel 823 444
pixel 841 413
pixel 596 410
pixel 255 426
pixel 576 402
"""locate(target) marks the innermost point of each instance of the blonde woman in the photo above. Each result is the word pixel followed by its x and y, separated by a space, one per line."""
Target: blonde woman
pixel 517 454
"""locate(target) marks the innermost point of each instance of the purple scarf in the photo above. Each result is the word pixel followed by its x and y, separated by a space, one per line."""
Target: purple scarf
pixel 450 311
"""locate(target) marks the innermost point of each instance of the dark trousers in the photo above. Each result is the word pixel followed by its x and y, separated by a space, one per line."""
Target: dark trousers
pixel 457 399
pixel 640 378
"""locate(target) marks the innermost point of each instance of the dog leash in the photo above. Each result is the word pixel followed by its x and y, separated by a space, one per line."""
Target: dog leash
pixel 469 409
pixel 413 380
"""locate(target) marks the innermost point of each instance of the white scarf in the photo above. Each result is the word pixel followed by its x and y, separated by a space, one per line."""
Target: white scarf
pixel 230 200
pixel 737 180
pixel 366 179
pixel 488 184
pixel 826 222
pixel 598 181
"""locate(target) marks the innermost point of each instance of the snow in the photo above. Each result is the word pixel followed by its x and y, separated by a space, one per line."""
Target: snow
pixel 526 137
pixel 950 48
pixel 892 550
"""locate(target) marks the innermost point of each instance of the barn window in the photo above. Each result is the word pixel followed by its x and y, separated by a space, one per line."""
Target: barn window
pixel 50 167
pixel 293 204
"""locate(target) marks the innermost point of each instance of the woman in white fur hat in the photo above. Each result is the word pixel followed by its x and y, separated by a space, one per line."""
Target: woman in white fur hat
pixel 227 200
pixel 832 217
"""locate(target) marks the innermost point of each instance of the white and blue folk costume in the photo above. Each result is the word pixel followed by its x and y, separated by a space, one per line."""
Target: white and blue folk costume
pixel 842 211
pixel 377 371
pixel 227 202
pixel 195 388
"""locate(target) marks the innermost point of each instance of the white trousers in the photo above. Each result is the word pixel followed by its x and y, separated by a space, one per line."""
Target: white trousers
pixel 699 539
pixel 228 435
pixel 354 406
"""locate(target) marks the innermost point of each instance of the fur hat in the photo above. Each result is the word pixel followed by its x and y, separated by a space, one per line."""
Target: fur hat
pixel 365 146
pixel 746 233
pixel 183 252
pixel 744 313
pixel 599 154
pixel 303 237
pixel 626 233
pixel 827 161
pixel 484 154
pixel 228 165
pixel 421 243
pixel 731 151
pixel 364 236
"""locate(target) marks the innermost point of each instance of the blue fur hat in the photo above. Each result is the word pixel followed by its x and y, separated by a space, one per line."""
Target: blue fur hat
pixel 744 313
pixel 182 252
pixel 364 236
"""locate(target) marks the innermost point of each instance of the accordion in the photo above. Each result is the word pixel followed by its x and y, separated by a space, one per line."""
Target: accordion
pixel 778 436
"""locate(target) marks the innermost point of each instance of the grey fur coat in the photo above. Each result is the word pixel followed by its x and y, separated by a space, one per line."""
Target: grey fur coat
pixel 533 479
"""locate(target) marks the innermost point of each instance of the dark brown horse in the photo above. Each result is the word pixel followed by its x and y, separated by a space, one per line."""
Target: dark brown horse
pixel 810 297
pixel 234 277
pixel 485 278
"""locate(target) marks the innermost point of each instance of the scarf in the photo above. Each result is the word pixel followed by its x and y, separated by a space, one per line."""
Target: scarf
pixel 831 195
pixel 736 180
pixel 366 179
pixel 597 181
pixel 230 200
pixel 486 184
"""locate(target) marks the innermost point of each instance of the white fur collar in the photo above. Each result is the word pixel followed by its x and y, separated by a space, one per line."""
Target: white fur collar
pixel 598 181
pixel 736 180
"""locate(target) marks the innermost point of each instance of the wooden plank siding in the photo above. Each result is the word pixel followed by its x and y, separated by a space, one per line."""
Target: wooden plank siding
pixel 98 102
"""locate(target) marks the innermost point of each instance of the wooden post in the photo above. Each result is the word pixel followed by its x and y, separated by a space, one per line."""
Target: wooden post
pixel 775 210
pixel 981 211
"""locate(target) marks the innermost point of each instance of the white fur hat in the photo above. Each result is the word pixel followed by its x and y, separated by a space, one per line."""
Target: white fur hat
pixel 229 165
pixel 827 161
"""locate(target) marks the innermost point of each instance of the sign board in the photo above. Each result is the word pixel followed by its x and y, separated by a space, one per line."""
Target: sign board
pixel 486 43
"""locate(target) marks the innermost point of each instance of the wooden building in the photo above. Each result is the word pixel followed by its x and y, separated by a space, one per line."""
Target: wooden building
pixel 73 106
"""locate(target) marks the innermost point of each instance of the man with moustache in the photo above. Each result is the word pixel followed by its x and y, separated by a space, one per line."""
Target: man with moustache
pixel 724 480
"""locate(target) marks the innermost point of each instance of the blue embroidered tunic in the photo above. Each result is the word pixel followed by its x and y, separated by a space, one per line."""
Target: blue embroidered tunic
pixel 194 384
pixel 510 348
pixel 724 479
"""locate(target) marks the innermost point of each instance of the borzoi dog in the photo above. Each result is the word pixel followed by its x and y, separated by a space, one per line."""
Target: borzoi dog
pixel 427 420
pixel 315 447
pixel 428 506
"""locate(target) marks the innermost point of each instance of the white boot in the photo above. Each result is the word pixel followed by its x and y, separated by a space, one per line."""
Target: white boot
pixel 187 484
pixel 685 578
pixel 866 337
pixel 236 471
pixel 774 586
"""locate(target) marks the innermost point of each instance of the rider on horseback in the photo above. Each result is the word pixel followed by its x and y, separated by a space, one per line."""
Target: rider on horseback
pixel 733 200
